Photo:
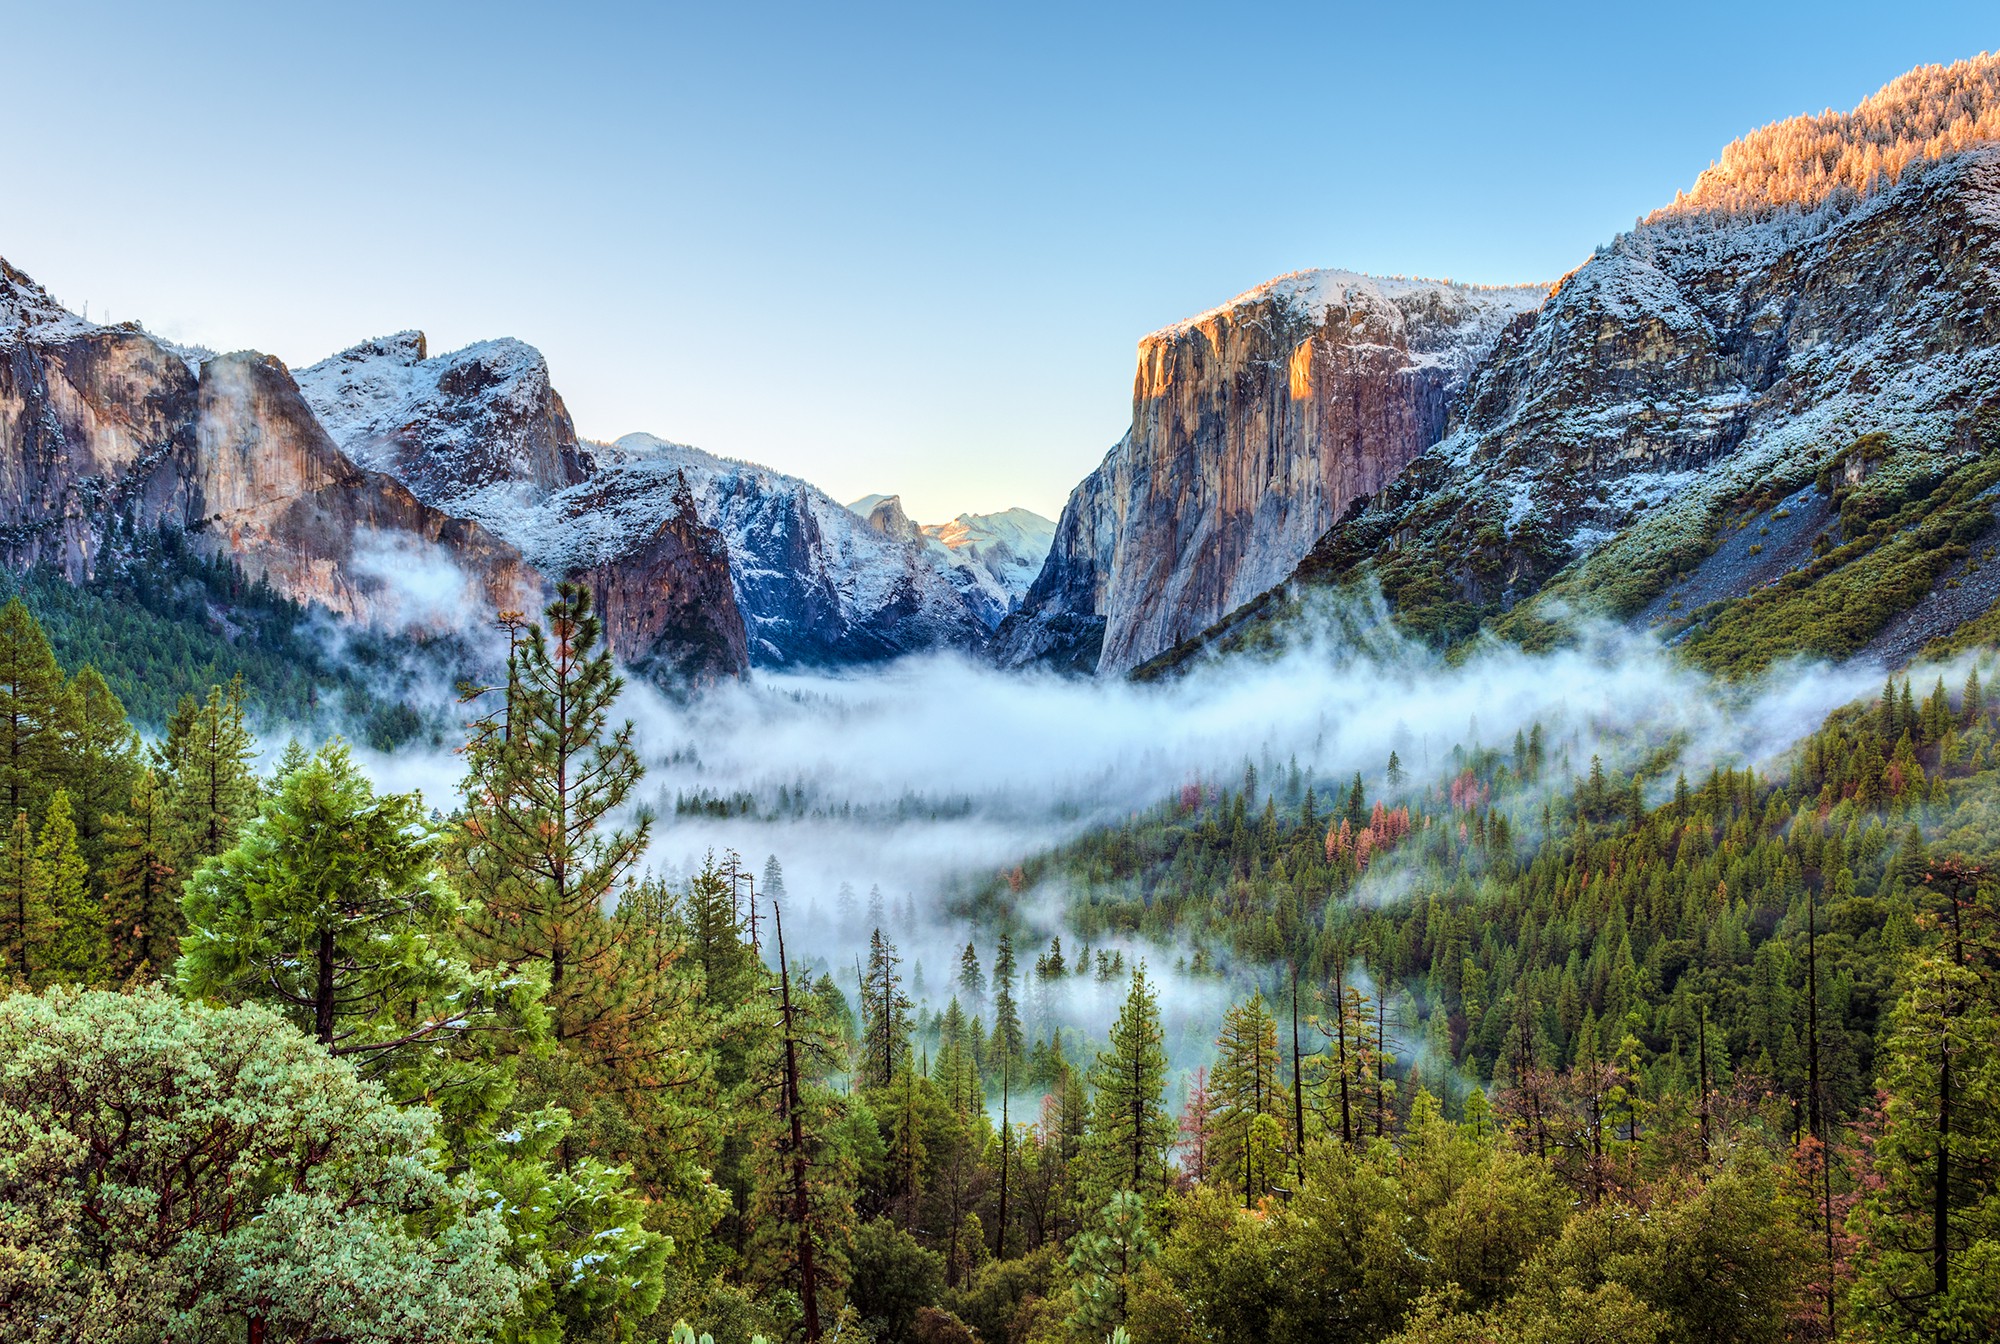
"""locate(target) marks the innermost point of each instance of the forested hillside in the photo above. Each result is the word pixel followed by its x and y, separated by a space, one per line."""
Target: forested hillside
pixel 1524 1047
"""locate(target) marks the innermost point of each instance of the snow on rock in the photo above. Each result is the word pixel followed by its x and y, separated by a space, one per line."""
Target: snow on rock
pixel 1255 426
pixel 453 427
pixel 815 582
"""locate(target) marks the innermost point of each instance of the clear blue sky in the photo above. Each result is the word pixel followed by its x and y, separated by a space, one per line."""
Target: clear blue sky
pixel 904 249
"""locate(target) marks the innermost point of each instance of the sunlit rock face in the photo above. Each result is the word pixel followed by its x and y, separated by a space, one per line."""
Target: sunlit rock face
pixel 105 432
pixel 1702 359
pixel 269 489
pixel 1254 427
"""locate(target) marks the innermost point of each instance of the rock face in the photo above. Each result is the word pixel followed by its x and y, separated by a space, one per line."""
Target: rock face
pixel 668 608
pixel 482 434
pixel 1700 361
pixel 817 583
pixel 104 432
pixel 1254 427
pixel 478 426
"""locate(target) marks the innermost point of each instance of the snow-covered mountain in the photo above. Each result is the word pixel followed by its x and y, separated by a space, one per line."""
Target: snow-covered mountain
pixel 1712 424
pixel 817 583
pixel 991 558
pixel 1255 425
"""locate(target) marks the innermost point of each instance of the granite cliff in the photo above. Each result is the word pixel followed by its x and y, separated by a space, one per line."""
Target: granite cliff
pixel 1763 419
pixel 106 433
pixel 1254 427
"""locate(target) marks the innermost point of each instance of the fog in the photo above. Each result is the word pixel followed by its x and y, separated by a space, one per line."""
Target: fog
pixel 904 783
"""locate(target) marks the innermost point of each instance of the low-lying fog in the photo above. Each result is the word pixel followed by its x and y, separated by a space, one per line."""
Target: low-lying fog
pixel 909 777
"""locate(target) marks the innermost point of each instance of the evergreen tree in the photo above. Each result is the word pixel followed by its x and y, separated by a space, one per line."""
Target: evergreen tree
pixel 32 713
pixel 211 790
pixel 1245 1086
pixel 141 890
pixel 59 888
pixel 100 762
pixel 1131 1129
pixel 545 773
pixel 885 1013
pixel 329 909
pixel 25 926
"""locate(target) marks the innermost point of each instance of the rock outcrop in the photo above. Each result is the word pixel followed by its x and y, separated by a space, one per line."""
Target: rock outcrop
pixel 472 431
pixel 107 433
pixel 1698 364
pixel 1254 427
pixel 482 434
pixel 818 584
pixel 668 608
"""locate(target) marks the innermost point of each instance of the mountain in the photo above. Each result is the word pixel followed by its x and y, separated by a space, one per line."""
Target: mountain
pixel 817 583
pixel 1761 422
pixel 482 433
pixel 107 433
pixel 1254 427
pixel 990 558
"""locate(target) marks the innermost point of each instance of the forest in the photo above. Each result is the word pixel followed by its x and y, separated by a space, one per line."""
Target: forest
pixel 1533 1043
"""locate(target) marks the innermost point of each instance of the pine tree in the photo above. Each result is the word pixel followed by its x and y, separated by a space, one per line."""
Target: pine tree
pixel 971 982
pixel 32 713
pixel 25 929
pixel 59 887
pixel 211 790
pixel 885 1012
pixel 100 761
pixel 1245 1084
pixel 142 906
pixel 1130 1130
pixel 545 773
pixel 330 910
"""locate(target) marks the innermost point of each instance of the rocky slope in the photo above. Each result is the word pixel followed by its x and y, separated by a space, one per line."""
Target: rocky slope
pixel 817 583
pixel 481 433
pixel 482 424
pixel 990 558
pixel 1685 384
pixel 1254 427
pixel 106 432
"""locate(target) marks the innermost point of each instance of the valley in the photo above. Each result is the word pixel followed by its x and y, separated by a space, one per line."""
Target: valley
pixel 1477 824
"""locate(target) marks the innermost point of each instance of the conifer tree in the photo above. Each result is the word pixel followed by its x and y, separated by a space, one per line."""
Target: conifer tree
pixel 100 761
pixel 885 1012
pixel 971 981
pixel 59 888
pixel 1245 1084
pixel 329 909
pixel 25 928
pixel 32 713
pixel 545 773
pixel 1130 1130
pixel 211 788
pixel 142 907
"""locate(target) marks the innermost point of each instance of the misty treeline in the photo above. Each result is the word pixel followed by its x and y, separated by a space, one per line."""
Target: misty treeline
pixel 1641 982
pixel 1540 1051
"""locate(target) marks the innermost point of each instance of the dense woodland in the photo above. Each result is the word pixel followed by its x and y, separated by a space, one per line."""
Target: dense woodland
pixel 1534 1048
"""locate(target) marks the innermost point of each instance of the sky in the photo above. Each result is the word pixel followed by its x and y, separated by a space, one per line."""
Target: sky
pixel 906 249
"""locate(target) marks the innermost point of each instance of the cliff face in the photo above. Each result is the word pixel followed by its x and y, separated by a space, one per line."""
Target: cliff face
pixel 1702 363
pixel 268 487
pixel 817 583
pixel 668 608
pixel 478 426
pixel 1254 427
pixel 105 431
